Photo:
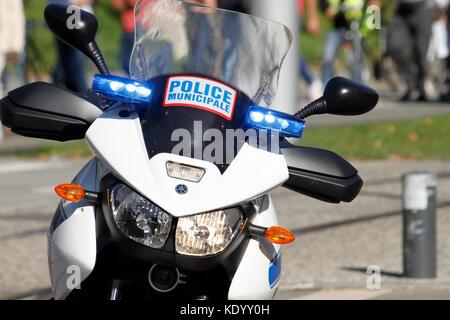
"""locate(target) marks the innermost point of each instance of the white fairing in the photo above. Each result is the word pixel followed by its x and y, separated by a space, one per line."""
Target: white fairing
pixel 251 281
pixel 119 144
pixel 120 149
pixel 72 248
pixel 72 243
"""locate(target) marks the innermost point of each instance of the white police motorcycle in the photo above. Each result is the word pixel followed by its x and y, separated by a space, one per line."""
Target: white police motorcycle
pixel 175 202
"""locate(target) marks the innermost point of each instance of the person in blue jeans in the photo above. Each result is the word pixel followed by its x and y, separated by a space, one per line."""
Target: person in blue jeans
pixel 305 72
pixel 333 43
pixel 126 10
pixel 70 68
pixel 343 13
pixel 314 85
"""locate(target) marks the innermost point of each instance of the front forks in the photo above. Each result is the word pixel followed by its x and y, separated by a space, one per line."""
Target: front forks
pixel 116 290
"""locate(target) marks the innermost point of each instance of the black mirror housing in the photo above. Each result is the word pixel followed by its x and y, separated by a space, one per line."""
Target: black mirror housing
pixel 62 21
pixel 345 97
pixel 342 97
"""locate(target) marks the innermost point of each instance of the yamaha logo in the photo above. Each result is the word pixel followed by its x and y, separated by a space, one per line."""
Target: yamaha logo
pixel 181 189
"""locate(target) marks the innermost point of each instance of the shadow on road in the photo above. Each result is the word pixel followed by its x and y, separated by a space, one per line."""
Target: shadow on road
pixel 40 294
pixel 383 273
pixel 24 234
pixel 440 175
pixel 366 218
pixel 26 217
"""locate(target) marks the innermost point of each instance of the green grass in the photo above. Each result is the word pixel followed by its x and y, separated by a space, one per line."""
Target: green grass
pixel 425 138
pixel 70 150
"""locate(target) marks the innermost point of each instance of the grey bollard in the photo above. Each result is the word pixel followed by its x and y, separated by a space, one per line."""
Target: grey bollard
pixel 419 225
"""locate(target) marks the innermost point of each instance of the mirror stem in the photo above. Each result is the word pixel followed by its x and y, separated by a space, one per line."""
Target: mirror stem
pixel 318 106
pixel 96 56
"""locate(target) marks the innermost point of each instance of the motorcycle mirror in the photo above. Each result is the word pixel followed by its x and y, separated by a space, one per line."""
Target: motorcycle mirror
pixel 343 97
pixel 77 28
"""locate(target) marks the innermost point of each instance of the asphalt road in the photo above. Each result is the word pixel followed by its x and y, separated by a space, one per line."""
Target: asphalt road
pixel 336 243
pixel 27 203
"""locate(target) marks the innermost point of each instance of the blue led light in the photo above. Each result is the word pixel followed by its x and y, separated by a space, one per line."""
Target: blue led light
pixel 115 85
pixel 257 116
pixel 144 92
pixel 122 89
pixel 265 119
pixel 270 119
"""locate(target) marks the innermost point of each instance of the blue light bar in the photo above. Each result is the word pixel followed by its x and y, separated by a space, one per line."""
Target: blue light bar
pixel 122 89
pixel 266 119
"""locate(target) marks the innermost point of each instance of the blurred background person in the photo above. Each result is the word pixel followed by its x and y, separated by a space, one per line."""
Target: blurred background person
pixel 12 35
pixel 12 38
pixel 345 14
pixel 201 36
pixel 126 10
pixel 409 37
pixel 231 29
pixel 70 69
pixel 313 84
pixel 439 51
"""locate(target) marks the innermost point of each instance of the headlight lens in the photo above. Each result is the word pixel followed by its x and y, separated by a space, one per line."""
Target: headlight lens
pixel 138 218
pixel 208 233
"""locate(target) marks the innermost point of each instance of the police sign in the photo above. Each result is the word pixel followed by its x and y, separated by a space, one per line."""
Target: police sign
pixel 200 93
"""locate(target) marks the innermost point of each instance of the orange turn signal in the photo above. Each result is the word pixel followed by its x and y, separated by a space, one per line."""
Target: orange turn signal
pixel 279 235
pixel 70 192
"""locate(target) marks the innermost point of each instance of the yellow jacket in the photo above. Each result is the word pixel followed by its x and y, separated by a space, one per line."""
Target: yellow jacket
pixel 353 9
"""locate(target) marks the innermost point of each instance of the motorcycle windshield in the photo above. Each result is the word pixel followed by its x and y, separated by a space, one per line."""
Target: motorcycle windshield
pixel 177 37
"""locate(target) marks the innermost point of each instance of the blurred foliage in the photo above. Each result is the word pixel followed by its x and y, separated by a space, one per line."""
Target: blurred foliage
pixel 42 53
pixel 41 46
pixel 312 45
pixel 67 150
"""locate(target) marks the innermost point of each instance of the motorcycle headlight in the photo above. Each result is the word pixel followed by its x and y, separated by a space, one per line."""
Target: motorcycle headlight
pixel 209 233
pixel 138 218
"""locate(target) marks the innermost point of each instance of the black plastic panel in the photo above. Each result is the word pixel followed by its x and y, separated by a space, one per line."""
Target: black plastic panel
pixel 42 110
pixel 321 174
pixel 318 161
pixel 324 188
